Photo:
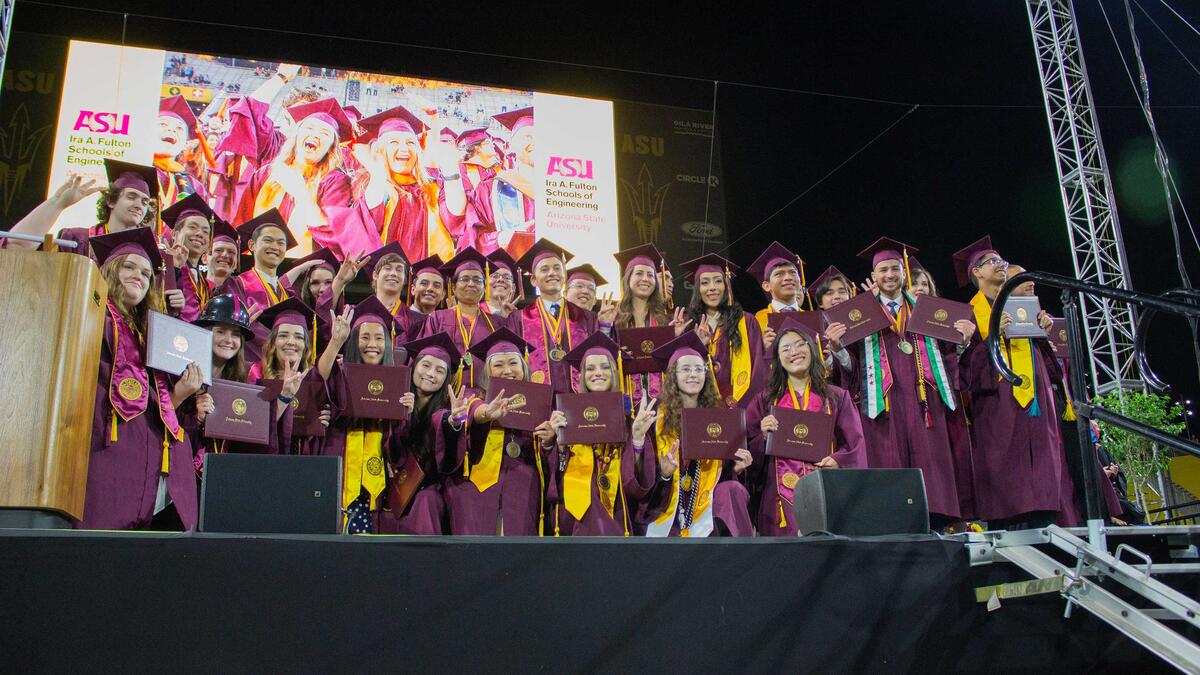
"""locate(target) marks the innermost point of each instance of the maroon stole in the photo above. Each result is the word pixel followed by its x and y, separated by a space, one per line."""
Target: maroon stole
pixel 129 385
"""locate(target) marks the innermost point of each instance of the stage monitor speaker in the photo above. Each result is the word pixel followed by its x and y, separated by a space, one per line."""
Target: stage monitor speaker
pixel 271 494
pixel 862 502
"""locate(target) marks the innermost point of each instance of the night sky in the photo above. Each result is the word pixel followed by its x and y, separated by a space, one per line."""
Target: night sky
pixel 974 157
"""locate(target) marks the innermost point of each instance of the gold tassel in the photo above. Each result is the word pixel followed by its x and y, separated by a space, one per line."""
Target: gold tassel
pixel 537 456
pixel 782 518
pixel 113 434
pixel 907 271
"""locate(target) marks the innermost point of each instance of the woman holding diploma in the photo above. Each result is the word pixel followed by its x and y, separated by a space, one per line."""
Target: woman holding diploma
pixel 419 446
pixel 644 305
pixel 797 380
pixel 288 357
pixel 598 481
pixel 365 331
pixel 139 473
pixel 495 482
pixel 701 497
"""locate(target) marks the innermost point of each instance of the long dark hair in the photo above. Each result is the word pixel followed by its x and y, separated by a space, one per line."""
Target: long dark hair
pixel 670 400
pixel 656 304
pixel 353 355
pixel 234 368
pixel 728 313
pixel 421 431
pixel 817 377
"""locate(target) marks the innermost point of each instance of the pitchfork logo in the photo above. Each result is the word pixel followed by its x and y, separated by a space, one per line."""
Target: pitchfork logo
pixel 647 203
pixel 19 146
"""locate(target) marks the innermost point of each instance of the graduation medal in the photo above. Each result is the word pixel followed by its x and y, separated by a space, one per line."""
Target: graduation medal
pixel 130 389
pixel 906 347
pixel 513 449
pixel 557 354
pixel 685 483
pixel 790 479
pixel 603 482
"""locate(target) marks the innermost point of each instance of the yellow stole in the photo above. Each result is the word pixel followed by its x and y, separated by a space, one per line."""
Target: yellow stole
pixel 740 364
pixel 577 480
pixel 710 474
pixel 486 473
pixel 1019 352
pixel 364 464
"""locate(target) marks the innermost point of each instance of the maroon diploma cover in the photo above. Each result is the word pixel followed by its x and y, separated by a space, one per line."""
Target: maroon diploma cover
pixel 242 413
pixel 171 345
pixel 403 483
pixel 306 407
pixel 638 343
pixel 862 314
pixel 803 435
pixel 1058 338
pixel 374 391
pixel 810 320
pixel 712 433
pixel 595 417
pixel 935 317
pixel 535 401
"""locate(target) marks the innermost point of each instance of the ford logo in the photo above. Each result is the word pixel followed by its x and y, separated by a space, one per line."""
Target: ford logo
pixel 703 230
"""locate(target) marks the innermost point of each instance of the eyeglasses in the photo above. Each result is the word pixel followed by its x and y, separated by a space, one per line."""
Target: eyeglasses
pixel 994 262
pixel 582 286
pixel 692 370
pixel 477 281
pixel 788 349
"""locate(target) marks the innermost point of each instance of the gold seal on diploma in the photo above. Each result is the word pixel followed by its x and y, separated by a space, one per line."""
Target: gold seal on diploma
pixel 374 466
pixel 854 315
pixel 800 431
pixel 130 389
pixel 713 430
pixel 591 414
pixel 1022 315
pixel 941 315
pixel 790 479
pixel 513 449
pixel 647 346
pixel 239 407
pixel 375 387
pixel 180 343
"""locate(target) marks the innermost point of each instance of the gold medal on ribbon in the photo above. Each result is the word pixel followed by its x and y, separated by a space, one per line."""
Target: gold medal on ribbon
pixel 906 347
pixel 557 354
pixel 790 479
pixel 130 389
pixel 513 449
pixel 685 483
pixel 604 482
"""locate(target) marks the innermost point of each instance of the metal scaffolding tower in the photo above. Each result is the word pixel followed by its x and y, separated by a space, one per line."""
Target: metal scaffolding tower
pixel 1097 250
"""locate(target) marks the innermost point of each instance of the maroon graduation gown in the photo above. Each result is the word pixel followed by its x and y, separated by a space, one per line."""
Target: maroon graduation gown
pixel 730 500
pixel 409 222
pixel 480 228
pixel 722 358
pixel 766 498
pixel 122 480
pixel 532 328
pixel 639 471
pixel 333 198
pixel 409 323
pixel 1019 463
pixel 248 288
pixel 196 292
pixel 445 321
pixel 426 513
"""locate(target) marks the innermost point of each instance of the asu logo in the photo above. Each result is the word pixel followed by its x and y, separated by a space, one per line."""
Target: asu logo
pixel 714 430
pixel 854 315
pixel 1022 315
pixel 517 401
pixel 591 414
pixel 102 123
pixel 375 387
pixel 570 167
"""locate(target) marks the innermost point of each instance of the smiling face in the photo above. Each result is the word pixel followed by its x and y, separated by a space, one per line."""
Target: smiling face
pixel 319 279
pixel 582 293
pixel 889 276
pixel 429 374
pixel 398 149
pixel 642 281
pixel 837 293
pixel 289 343
pixel 223 258
pixel 501 286
pixel 690 372
pixel 269 246
pixel 783 283
pixel 372 340
pixel 990 270
pixel 598 373
pixel 130 208
pixel 795 354
pixel 506 366
pixel 227 342
pixel 711 286
pixel 429 289
pixel 192 233
pixel 468 287
pixel 314 139
pixel 172 136
pixel 921 285
pixel 388 275
pixel 135 275
pixel 548 276
pixel 522 145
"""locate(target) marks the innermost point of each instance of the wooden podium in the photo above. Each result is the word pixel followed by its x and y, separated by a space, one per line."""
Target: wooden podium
pixel 51 321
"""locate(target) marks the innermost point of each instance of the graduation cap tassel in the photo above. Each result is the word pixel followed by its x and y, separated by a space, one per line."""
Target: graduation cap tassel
pixel 907 271
pixel 728 286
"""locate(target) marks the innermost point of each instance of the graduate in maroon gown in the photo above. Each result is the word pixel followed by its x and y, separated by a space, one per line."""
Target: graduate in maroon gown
pixel 466 323
pixel 182 155
pixel 780 273
pixel 140 468
pixel 502 207
pixel 223 256
pixel 363 333
pixel 550 324
pixel 643 305
pixel 192 225
pixel 505 286
pixel 581 287
pixel 481 160
pixel 307 185
pixel 829 290
pixel 428 287
pixel 426 438
pixel 797 380
pixel 313 283
pixel 496 482
pixel 734 340
pixel 128 202
pixel 1019 463
pixel 388 270
pixel 905 385
pixel 702 497
pixel 251 141
pixel 400 201
pixel 599 485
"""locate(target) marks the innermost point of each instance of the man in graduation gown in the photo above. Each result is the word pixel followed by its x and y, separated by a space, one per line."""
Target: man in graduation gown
pixel 388 270
pixel 780 273
pixel 905 384
pixel 581 286
pixel 428 289
pixel 182 155
pixel 126 203
pixel 191 223
pixel 502 207
pixel 401 202
pixel 467 323
pixel 505 286
pixel 223 256
pixel 1019 464
pixel 551 324
pixel 306 184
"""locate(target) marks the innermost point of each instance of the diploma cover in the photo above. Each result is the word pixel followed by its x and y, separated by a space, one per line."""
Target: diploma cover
pixel 638 343
pixel 535 400
pixel 712 433
pixel 242 412
pixel 172 344
pixel 935 317
pixel 803 435
pixel 862 314
pixel 594 417
pixel 374 391
pixel 1024 311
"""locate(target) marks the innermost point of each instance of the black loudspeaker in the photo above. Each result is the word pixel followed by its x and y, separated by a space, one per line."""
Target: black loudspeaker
pixel 862 502
pixel 265 494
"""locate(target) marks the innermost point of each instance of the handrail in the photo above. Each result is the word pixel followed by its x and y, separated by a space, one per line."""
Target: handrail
pixel 1141 332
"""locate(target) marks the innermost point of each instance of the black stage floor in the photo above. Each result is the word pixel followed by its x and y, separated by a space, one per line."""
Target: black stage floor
pixel 93 601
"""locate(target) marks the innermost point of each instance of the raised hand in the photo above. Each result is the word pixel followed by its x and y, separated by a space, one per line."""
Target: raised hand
pixel 326 416
pixel 704 331
pixel 608 309
pixel 669 462
pixel 458 404
pixel 742 460
pixel 408 400
pixel 74 191
pixel 1005 322
pixel 646 415
pixel 175 300
pixel 189 382
pixel 348 270
pixel 558 420
pixel 833 335
pixel 680 321
pixel 254 311
pixel 1044 320
pixel 204 406
pixel 544 433
pixel 768 338
pixel 179 254
pixel 966 328
pixel 341 325
pixel 870 286
pixel 292 377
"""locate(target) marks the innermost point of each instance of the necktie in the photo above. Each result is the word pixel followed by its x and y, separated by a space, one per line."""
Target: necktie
pixel 554 310
pixel 893 307
pixel 788 309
